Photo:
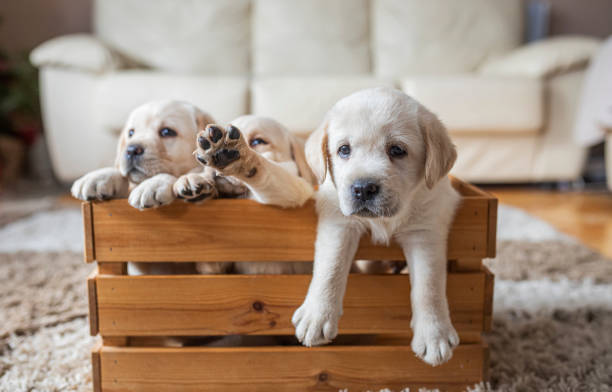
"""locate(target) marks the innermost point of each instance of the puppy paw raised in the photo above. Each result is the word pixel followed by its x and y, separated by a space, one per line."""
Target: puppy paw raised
pixel 153 192
pixel 194 187
pixel 102 184
pixel 225 150
pixel 316 323
pixel 434 340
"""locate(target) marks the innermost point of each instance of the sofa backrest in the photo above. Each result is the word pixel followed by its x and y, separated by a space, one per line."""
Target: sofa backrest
pixel 442 36
pixel 195 36
pixel 309 37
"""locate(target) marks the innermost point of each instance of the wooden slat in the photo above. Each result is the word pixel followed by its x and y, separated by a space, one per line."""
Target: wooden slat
pixel 88 237
pixel 95 368
pixel 286 369
pixel 492 228
pixel 93 304
pixel 263 304
pixel 488 298
pixel 112 268
pixel 244 230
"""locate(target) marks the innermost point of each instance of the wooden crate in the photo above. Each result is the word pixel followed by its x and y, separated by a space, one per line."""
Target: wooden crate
pixel 373 350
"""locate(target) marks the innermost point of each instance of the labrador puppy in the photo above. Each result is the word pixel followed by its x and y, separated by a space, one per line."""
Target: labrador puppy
pixel 257 158
pixel 382 161
pixel 153 166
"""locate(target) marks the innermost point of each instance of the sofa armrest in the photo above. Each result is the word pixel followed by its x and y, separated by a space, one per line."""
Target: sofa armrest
pixel 82 52
pixel 544 58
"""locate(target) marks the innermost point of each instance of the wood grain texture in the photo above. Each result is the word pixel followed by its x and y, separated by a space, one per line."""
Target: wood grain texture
pixel 488 298
pixel 263 304
pixel 88 237
pixel 276 369
pixel 244 230
pixel 112 268
pixel 96 376
pixel 492 228
pixel 93 304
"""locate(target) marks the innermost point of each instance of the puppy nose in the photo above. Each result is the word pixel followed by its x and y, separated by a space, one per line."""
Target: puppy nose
pixel 134 150
pixel 364 190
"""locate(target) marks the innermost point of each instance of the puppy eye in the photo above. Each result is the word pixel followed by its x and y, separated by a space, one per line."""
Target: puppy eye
pixel 130 132
pixel 396 152
pixel 257 141
pixel 167 132
pixel 344 151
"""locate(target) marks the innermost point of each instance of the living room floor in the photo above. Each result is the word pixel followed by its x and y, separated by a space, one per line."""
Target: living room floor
pixel 586 215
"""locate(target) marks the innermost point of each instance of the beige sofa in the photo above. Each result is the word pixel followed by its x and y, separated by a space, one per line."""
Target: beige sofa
pixel 509 108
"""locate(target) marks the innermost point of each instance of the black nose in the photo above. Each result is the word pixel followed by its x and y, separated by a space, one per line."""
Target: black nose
pixel 134 150
pixel 364 190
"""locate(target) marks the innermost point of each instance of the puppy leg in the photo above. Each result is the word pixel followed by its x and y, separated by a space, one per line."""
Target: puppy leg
pixel 153 192
pixel 101 184
pixel 198 185
pixel 434 335
pixel 269 183
pixel 316 321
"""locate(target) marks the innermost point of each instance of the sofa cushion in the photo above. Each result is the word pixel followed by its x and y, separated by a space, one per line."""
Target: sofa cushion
pixel 435 36
pixel 301 37
pixel 300 103
pixel 478 104
pixel 544 58
pixel 203 36
pixel 225 98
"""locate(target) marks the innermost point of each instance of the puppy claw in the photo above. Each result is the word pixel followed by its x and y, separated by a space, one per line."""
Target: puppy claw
pixel 434 340
pixel 315 323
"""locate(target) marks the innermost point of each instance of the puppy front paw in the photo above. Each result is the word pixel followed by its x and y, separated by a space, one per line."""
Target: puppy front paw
pixel 434 340
pixel 225 150
pixel 102 184
pixel 194 187
pixel 316 322
pixel 153 192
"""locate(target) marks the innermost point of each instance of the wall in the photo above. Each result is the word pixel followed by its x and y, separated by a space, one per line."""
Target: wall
pixel 591 17
pixel 26 23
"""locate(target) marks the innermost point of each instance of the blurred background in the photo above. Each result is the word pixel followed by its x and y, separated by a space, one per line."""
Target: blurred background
pixel 509 78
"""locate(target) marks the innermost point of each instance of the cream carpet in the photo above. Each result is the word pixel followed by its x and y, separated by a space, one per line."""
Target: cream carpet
pixel 552 312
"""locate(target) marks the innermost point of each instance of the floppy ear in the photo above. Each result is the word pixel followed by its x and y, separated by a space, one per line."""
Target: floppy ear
pixel 202 119
pixel 297 152
pixel 317 154
pixel 440 153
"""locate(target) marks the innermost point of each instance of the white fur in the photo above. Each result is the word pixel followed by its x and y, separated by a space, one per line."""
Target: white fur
pixel 273 172
pixel 164 160
pixel 411 212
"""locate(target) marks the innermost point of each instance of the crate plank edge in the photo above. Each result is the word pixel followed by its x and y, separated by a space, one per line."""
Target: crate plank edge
pixel 126 309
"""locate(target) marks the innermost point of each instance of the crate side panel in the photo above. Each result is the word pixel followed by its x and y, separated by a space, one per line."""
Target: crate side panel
pixel 243 230
pixel 264 304
pixel 283 368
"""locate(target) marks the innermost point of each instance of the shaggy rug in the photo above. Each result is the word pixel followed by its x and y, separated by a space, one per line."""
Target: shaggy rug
pixel 552 310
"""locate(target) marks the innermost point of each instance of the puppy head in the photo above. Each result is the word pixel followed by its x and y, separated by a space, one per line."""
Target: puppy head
pixel 273 141
pixel 158 137
pixel 377 147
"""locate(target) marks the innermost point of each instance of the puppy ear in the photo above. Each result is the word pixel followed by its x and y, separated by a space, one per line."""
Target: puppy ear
pixel 202 119
pixel 317 154
pixel 440 153
pixel 297 153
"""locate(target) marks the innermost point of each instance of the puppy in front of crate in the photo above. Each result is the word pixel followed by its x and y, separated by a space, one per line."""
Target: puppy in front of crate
pixel 382 161
pixel 257 158
pixel 153 164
